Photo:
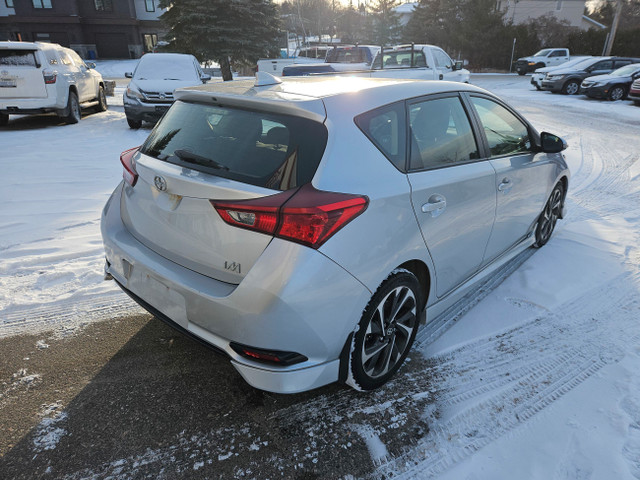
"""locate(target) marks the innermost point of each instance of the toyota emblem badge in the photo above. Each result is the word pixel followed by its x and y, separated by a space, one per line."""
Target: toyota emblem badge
pixel 160 183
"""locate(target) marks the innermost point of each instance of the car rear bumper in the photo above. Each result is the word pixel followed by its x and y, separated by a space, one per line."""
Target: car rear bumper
pixel 293 299
pixel 24 106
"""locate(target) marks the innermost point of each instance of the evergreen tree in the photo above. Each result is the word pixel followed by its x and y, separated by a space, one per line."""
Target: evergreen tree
pixel 386 22
pixel 225 31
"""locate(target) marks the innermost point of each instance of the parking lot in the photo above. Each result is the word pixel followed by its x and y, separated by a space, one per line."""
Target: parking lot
pixel 536 370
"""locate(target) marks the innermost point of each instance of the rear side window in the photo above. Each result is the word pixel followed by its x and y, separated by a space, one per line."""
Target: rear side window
pixel 18 58
pixel 441 134
pixel 269 150
pixel 385 127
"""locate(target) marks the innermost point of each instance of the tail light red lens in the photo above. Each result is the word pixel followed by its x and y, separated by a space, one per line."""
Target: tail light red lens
pixel 50 76
pixel 129 172
pixel 307 216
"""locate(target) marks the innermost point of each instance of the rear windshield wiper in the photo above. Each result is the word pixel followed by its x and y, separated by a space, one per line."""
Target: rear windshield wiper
pixel 190 157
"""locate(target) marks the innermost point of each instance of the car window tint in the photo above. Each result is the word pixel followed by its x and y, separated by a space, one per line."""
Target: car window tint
pixel 441 134
pixel 557 53
pixel 18 58
pixel 269 150
pixel 385 127
pixel 505 132
pixel 606 65
pixel 76 59
pixel 622 63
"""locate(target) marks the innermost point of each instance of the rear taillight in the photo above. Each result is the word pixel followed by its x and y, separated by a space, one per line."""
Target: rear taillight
pixel 129 172
pixel 49 76
pixel 307 216
pixel 277 357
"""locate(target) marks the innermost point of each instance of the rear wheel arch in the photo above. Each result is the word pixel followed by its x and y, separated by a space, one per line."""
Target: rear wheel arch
pixel 421 271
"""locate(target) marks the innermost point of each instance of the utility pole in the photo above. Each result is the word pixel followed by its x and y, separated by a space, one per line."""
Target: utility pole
pixel 614 28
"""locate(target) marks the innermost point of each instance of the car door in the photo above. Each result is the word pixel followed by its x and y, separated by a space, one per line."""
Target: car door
pixel 558 57
pixel 523 176
pixel 85 83
pixel 444 65
pixel 452 191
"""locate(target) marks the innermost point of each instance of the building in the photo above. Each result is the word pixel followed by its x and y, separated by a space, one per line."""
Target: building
pixel 521 11
pixel 93 28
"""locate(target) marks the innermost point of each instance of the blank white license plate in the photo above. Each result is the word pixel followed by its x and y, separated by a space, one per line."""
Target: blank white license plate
pixel 7 83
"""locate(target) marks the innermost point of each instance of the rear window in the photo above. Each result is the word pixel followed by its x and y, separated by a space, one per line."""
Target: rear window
pixel 18 58
pixel 348 55
pixel 264 149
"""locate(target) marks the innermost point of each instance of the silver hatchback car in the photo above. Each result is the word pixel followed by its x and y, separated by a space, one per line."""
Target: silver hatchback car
pixel 305 227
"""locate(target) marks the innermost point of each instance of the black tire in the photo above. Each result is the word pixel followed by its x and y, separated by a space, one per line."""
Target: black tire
pixel 539 65
pixel 4 119
pixel 386 331
pixel 617 92
pixel 135 124
pixel 102 100
pixel 74 113
pixel 572 87
pixel 549 216
pixel 538 87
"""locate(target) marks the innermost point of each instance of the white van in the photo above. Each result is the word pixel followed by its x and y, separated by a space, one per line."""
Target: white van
pixel 40 77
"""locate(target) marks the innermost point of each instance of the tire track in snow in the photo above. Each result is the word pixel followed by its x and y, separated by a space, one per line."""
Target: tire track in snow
pixel 573 344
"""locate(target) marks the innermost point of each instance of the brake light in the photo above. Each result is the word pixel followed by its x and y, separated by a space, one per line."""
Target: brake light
pixel 49 76
pixel 307 216
pixel 129 172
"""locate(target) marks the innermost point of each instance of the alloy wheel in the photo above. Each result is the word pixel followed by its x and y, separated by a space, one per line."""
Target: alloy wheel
pixel 389 332
pixel 550 215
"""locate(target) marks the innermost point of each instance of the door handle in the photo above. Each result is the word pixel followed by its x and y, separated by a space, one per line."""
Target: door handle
pixel 441 76
pixel 435 206
pixel 505 186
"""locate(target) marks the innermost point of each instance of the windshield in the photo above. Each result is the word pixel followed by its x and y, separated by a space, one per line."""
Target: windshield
pixel 265 149
pixel 627 70
pixel 542 53
pixel 161 67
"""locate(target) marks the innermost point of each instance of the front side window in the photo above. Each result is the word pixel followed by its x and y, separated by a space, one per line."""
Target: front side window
pixel 442 59
pixel 103 5
pixel 150 5
pixel 8 3
pixel 506 134
pixel 440 134
pixel 558 53
pixel 265 149
pixel 64 58
pixel 385 127
pixel 606 65
pixel 42 4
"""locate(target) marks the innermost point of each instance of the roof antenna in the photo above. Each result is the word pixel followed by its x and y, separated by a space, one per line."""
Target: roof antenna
pixel 264 79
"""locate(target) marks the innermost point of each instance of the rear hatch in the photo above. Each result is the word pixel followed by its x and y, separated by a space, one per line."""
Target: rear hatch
pixel 20 73
pixel 203 152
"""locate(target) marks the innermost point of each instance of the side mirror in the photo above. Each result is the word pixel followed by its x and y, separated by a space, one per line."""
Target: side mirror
pixel 552 143
pixel 128 75
pixel 90 65
pixel 205 77
pixel 457 65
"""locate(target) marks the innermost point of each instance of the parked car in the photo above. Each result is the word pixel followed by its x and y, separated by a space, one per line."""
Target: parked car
pixel 634 92
pixel 419 62
pixel 150 92
pixel 344 58
pixel 303 227
pixel 40 78
pixel 311 54
pixel 540 73
pixel 568 80
pixel 547 57
pixel 614 86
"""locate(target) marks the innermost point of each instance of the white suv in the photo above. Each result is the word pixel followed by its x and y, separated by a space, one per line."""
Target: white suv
pixel 46 77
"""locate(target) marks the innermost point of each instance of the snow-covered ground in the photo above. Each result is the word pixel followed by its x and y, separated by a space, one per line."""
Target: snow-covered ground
pixel 538 376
